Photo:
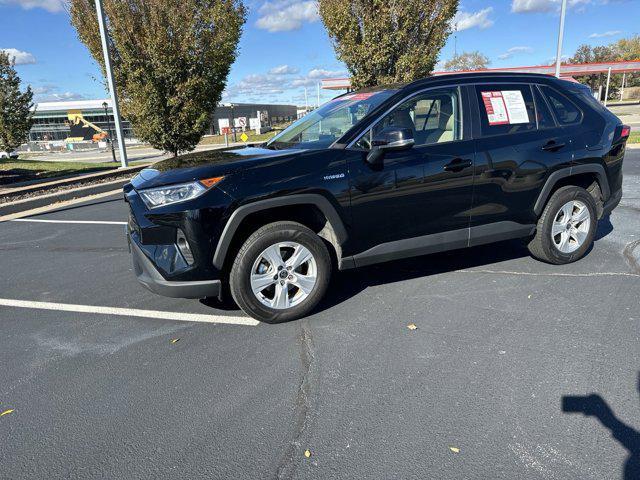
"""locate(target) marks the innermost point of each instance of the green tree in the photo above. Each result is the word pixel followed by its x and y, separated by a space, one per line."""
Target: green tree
pixel 170 60
pixel 588 54
pixel 467 61
pixel 15 106
pixel 383 41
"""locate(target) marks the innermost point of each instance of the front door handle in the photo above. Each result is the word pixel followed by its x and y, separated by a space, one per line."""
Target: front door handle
pixel 552 146
pixel 457 165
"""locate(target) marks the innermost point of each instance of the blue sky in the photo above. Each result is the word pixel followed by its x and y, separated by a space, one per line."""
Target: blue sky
pixel 284 46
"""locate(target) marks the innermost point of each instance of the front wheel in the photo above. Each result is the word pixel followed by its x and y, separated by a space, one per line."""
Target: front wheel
pixel 566 228
pixel 281 272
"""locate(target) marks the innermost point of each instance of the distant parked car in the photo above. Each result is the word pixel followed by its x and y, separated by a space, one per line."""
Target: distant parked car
pixel 8 154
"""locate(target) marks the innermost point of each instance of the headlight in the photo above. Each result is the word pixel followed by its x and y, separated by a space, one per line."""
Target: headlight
pixel 161 196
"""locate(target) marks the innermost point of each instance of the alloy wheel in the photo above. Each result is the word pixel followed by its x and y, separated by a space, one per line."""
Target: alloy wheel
pixel 570 226
pixel 284 275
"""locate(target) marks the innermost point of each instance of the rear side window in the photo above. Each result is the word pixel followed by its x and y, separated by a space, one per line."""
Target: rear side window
pixel 506 109
pixel 564 109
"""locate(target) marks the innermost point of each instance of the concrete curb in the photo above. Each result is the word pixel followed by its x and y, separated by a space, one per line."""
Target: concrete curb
pixel 62 196
pixel 44 185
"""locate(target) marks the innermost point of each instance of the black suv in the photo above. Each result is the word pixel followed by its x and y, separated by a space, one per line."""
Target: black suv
pixel 380 174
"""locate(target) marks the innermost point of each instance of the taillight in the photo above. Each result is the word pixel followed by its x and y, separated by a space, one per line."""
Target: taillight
pixel 625 132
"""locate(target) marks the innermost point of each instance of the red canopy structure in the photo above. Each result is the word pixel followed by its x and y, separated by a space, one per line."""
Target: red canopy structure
pixel 566 70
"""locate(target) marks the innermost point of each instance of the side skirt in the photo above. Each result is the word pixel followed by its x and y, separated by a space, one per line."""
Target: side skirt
pixel 438 242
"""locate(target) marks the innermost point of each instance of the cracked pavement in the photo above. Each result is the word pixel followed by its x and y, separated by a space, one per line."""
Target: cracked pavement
pixel 501 341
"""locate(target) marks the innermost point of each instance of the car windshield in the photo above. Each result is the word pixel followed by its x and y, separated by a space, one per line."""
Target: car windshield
pixel 322 127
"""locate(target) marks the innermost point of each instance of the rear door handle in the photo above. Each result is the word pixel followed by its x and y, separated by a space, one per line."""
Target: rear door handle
pixel 552 146
pixel 457 164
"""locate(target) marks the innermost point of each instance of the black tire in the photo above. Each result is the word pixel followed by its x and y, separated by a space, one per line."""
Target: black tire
pixel 261 239
pixel 542 247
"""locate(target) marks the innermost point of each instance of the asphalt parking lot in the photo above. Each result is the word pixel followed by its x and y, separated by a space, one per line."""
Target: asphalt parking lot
pixel 100 388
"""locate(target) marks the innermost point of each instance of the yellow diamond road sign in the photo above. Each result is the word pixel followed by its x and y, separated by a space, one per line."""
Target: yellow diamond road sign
pixel 244 137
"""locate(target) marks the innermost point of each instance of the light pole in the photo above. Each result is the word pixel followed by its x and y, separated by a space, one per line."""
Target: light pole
pixel 233 124
pixel 111 83
pixel 106 114
pixel 563 11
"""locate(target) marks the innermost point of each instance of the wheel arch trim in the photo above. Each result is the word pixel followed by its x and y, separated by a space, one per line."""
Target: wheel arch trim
pixel 239 215
pixel 556 176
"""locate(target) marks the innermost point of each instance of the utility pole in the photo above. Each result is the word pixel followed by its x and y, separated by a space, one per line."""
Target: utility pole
pixel 105 105
pixel 606 91
pixel 306 101
pixel 111 83
pixel 563 11
pixel 455 40
pixel 233 122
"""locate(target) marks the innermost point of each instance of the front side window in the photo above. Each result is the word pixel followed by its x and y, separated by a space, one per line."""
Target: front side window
pixel 564 109
pixel 505 109
pixel 322 127
pixel 433 117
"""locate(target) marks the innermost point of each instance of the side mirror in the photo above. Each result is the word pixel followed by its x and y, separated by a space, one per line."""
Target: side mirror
pixel 389 139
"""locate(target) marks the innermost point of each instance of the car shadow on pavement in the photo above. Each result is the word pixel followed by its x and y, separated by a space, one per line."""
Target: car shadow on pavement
pixel 349 283
pixel 595 406
pixel 605 227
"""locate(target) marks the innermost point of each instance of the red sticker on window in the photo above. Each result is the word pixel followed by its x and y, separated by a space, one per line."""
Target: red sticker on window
pixel 495 108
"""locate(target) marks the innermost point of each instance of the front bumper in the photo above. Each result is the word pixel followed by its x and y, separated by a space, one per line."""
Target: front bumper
pixel 151 278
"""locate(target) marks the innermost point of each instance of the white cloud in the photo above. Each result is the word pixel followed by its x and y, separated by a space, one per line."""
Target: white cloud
pixel 285 15
pixel 57 97
pixel 609 33
pixel 284 70
pixel 20 57
pixel 50 5
pixel 514 51
pixel 315 75
pixel 465 20
pixel 537 6
pixel 261 85
pixel 43 89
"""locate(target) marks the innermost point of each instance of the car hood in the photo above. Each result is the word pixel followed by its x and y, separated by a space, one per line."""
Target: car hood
pixel 207 164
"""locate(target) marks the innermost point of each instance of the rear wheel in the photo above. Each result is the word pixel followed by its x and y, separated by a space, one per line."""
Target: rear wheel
pixel 566 228
pixel 281 272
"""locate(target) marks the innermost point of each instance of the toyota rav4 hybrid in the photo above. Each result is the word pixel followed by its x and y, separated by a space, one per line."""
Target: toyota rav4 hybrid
pixel 443 163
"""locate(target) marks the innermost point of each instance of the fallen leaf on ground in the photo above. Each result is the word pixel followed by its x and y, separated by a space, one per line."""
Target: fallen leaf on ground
pixel 412 326
pixel 6 412
pixel 454 449
pixel 529 296
pixel 175 340
pixel 307 453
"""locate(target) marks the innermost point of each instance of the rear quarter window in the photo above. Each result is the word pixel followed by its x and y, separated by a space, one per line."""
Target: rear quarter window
pixel 565 111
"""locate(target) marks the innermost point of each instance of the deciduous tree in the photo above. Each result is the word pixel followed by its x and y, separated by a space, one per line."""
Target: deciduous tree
pixel 467 61
pixel 383 41
pixel 170 60
pixel 15 106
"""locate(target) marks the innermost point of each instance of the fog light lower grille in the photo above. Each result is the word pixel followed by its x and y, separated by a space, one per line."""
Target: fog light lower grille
pixel 183 246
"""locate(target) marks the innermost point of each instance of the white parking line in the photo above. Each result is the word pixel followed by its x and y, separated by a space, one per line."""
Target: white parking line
pixel 130 312
pixel 89 222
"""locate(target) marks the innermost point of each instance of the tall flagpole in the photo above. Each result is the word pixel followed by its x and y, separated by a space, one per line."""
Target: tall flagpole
pixel 111 83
